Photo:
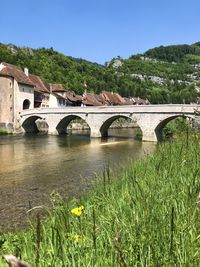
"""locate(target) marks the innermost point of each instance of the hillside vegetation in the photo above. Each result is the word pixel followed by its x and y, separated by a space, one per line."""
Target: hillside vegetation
pixel 175 53
pixel 163 75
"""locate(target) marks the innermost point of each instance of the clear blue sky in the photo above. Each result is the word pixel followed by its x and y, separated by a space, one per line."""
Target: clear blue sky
pixel 98 30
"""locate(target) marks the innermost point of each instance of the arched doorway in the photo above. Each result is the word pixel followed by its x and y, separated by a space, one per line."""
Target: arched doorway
pixel 26 104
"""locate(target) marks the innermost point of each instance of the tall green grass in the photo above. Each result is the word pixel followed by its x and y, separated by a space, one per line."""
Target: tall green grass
pixel 147 215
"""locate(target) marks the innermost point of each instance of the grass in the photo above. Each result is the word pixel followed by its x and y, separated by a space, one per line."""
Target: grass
pixel 147 215
pixel 3 131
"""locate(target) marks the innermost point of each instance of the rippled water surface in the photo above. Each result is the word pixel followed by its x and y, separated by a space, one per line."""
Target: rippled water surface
pixel 32 166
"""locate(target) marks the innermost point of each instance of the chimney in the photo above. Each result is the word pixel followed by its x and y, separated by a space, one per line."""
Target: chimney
pixel 1 66
pixel 26 71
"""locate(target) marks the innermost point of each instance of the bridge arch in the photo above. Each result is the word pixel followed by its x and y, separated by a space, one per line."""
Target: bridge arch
pixel 105 126
pixel 164 122
pixel 29 125
pixel 64 122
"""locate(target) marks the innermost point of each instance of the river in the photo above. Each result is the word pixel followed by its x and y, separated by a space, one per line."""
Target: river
pixel 32 166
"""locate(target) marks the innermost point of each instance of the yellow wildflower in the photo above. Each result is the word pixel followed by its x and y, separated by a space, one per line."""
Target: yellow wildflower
pixel 77 211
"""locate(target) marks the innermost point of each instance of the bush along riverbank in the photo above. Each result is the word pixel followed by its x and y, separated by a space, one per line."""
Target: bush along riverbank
pixel 147 215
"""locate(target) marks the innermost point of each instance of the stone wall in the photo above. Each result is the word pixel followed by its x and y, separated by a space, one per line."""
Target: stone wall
pixel 22 92
pixel 12 96
pixel 6 104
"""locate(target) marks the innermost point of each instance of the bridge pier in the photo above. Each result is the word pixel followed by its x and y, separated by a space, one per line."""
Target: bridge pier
pixel 95 132
pixel 149 137
pixel 53 131
pixel 52 123
pixel 147 125
pixel 95 124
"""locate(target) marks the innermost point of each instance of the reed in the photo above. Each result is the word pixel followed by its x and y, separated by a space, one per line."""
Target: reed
pixel 147 215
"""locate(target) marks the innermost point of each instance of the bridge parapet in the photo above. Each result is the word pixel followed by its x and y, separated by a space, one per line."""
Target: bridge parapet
pixel 169 108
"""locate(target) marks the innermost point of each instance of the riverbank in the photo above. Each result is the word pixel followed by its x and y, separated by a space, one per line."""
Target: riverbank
pixel 146 215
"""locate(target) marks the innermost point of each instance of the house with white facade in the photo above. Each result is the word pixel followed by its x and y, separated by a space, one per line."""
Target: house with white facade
pixel 60 97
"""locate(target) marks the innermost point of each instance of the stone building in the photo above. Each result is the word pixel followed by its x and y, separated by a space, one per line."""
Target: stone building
pixel 16 94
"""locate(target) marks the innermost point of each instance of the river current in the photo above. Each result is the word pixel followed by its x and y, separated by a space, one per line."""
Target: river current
pixel 33 166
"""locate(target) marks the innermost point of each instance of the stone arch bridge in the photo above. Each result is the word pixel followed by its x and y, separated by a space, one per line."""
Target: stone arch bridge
pixel 150 118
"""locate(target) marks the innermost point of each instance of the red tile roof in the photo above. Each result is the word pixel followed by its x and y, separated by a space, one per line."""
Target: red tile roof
pixel 128 101
pixel 39 84
pixel 140 101
pixel 113 98
pixel 90 99
pixel 15 72
pixel 136 101
pixel 55 87
pixel 72 96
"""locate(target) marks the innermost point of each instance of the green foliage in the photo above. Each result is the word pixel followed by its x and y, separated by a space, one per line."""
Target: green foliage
pixel 173 53
pixel 56 68
pixel 176 127
pixel 3 132
pixel 138 134
pixel 177 85
pixel 192 59
pixel 146 215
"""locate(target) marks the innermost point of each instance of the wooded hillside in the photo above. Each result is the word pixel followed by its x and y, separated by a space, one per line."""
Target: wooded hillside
pixel 163 75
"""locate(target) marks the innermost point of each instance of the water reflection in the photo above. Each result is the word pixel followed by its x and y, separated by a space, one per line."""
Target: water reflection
pixel 31 167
